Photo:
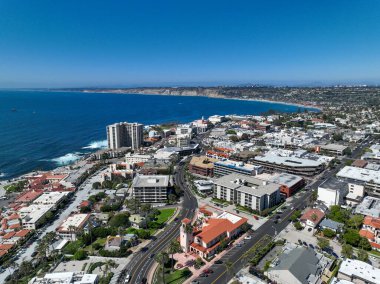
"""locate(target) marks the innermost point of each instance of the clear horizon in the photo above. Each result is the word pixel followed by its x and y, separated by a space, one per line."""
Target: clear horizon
pixel 73 44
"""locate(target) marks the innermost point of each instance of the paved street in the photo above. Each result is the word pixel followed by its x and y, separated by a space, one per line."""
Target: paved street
pixel 141 263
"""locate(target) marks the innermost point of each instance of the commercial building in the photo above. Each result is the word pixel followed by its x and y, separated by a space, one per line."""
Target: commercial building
pixel 202 166
pixel 370 178
pixel 291 165
pixel 72 226
pixel 204 186
pixel 371 231
pixel 226 167
pixel 183 140
pixel 300 265
pixel 206 239
pixel 358 271
pixel 51 198
pixel 136 158
pixel 289 184
pixel 151 188
pixel 124 134
pixel 34 215
pixel 66 278
pixel 370 206
pixel 333 149
pixel 247 191
pixel 184 129
pixel 332 191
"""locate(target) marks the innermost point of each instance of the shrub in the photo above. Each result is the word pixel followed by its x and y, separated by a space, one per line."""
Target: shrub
pixel 80 255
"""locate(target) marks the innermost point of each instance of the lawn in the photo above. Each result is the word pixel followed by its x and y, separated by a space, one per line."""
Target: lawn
pixel 177 276
pixel 165 214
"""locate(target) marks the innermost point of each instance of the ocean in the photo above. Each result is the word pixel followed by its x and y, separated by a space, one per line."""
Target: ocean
pixel 40 130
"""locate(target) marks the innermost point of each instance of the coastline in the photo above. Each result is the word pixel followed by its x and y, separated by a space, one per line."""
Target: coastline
pixel 218 96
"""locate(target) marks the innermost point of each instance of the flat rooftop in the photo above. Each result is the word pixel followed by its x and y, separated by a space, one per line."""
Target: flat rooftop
pixel 151 181
pixel 287 161
pixel 360 174
pixel 334 183
pixel 237 165
pixel 285 179
pixel 370 206
pixel 76 220
pixel 359 269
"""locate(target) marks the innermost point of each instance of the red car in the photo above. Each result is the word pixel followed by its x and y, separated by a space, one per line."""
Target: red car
pixel 208 271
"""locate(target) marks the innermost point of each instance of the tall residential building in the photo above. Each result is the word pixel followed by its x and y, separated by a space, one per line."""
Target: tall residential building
pixel 124 134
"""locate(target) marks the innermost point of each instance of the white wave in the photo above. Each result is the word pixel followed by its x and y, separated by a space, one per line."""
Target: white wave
pixel 2 175
pixel 67 159
pixel 97 145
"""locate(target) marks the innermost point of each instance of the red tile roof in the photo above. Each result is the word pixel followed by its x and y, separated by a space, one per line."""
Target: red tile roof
pixel 15 226
pixel 8 236
pixel 186 221
pixel 3 252
pixel 6 246
pixel 22 233
pixel 308 215
pixel 28 196
pixel 372 221
pixel 375 245
pixel 367 234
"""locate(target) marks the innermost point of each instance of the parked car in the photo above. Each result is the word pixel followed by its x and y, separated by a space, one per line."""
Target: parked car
pixel 34 254
pixel 218 261
pixel 208 271
pixel 203 275
pixel 248 237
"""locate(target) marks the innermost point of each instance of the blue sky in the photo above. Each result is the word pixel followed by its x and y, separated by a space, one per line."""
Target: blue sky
pixel 130 43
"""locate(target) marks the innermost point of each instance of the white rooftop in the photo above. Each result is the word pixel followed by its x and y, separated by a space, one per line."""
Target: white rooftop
pixel 50 197
pixel 288 161
pixel 359 174
pixel 356 268
pixel 76 220
pixel 230 217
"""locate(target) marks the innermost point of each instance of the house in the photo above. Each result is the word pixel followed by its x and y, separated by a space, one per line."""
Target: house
pixel 332 191
pixel 371 231
pixel 136 220
pixel 113 243
pixel 332 225
pixel 299 265
pixel 312 218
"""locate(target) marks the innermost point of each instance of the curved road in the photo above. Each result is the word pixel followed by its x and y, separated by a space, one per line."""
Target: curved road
pixel 139 266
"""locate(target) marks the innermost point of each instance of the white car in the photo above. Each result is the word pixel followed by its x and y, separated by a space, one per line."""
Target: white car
pixel 127 278
pixel 247 237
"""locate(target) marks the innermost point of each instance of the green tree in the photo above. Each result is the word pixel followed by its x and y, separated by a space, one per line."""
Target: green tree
pixel 80 255
pixel 338 214
pixel 355 221
pixel 229 266
pixel 120 220
pixel 174 247
pixel 162 258
pixel 323 243
pixel 328 233
pixel 364 244
pixel 362 255
pixel 298 226
pixel 347 251
pixel 352 237
pixel 96 185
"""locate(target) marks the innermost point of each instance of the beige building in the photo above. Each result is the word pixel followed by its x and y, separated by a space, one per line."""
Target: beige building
pixel 124 134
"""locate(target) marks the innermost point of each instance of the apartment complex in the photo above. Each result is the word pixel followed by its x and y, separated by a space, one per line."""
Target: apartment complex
pixel 247 191
pixel 72 226
pixel 226 167
pixel 291 165
pixel 151 188
pixel 358 271
pixel 371 231
pixel 124 134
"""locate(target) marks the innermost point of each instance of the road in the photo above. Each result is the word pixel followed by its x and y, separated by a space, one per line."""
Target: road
pixel 140 265
pixel 82 194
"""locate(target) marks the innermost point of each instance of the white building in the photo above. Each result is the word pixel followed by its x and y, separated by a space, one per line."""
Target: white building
pixel 124 134
pixel 332 192
pixel 358 272
pixel 204 186
pixel 227 167
pixel 136 158
pixel 370 178
pixel 73 224
pixel 51 198
pixel 151 188
pixel 184 129
pixel 215 119
pixel 33 215
pixel 66 278
pixel 247 191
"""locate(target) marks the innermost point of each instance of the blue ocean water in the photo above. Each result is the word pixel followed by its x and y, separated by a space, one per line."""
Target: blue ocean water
pixel 42 129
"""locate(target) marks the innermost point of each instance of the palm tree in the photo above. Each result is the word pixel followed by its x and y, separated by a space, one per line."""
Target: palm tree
pixel 188 228
pixel 71 229
pixel 229 268
pixel 107 265
pixel 162 258
pixel 174 247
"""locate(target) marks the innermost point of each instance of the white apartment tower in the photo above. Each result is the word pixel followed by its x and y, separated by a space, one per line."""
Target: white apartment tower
pixel 124 134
